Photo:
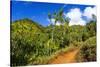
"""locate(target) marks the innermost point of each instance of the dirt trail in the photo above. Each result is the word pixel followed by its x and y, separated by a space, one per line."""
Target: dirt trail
pixel 68 57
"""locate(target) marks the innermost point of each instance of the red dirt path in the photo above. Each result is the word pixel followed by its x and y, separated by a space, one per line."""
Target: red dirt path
pixel 68 57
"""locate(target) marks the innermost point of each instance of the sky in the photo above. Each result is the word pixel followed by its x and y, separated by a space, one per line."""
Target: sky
pixel 38 12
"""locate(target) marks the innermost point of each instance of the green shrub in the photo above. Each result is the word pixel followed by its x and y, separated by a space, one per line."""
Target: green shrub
pixel 88 50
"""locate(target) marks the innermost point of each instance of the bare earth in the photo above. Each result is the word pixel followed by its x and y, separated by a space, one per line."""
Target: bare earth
pixel 68 57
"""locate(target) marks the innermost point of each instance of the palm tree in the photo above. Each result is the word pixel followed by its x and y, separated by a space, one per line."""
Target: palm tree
pixel 50 17
pixel 64 22
pixel 55 17
pixel 58 16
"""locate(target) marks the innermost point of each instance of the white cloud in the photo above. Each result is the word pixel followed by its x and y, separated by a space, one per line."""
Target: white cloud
pixel 58 23
pixel 75 16
pixel 79 22
pixel 89 11
pixel 53 22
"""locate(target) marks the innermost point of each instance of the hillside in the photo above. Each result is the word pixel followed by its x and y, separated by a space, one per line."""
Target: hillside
pixel 33 44
pixel 26 24
pixel 26 37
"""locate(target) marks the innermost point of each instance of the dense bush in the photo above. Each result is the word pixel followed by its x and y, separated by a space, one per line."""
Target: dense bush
pixel 88 50
pixel 91 27
pixel 27 40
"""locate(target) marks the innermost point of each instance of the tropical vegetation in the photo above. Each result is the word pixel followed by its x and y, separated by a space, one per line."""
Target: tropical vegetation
pixel 33 44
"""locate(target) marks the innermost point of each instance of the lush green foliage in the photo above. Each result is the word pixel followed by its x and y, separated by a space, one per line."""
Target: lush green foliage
pixel 32 43
pixel 88 50
pixel 27 39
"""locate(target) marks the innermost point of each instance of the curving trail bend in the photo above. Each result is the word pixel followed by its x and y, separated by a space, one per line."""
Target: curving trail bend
pixel 68 57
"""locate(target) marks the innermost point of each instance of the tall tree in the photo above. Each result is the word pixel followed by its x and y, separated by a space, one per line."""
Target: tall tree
pixel 50 18
pixel 64 21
